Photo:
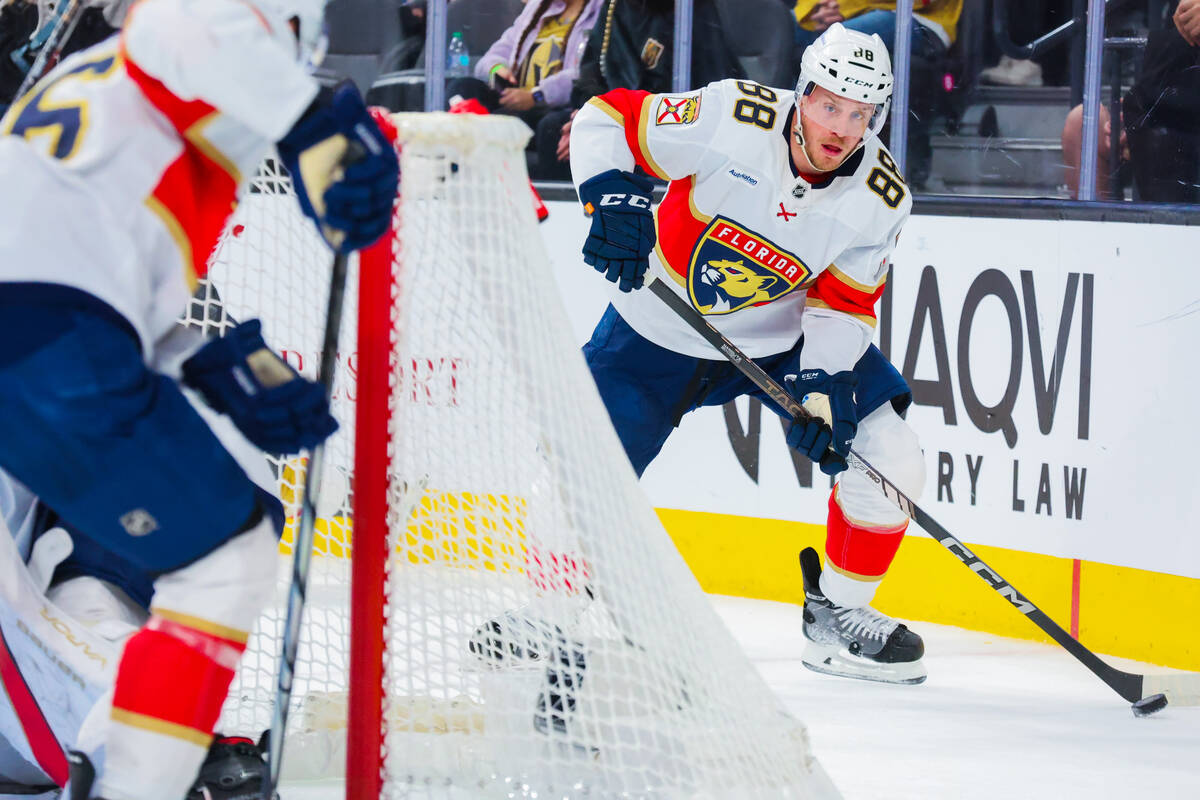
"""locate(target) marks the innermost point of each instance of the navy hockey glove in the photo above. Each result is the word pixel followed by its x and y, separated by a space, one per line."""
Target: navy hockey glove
pixel 827 435
pixel 270 403
pixel 352 206
pixel 622 233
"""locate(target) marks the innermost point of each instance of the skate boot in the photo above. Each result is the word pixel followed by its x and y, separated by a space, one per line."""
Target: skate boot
pixel 855 642
pixel 564 679
pixel 515 638
pixel 234 769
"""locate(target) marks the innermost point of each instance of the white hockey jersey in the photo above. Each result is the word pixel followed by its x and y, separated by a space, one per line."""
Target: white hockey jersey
pixel 123 164
pixel 762 253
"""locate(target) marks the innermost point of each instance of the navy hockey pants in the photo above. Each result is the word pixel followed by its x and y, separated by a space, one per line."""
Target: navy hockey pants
pixel 647 388
pixel 114 448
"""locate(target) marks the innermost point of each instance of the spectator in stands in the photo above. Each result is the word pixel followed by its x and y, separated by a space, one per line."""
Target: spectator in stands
pixel 532 66
pixel 1160 119
pixel 1162 111
pixel 935 23
pixel 630 48
pixel 411 46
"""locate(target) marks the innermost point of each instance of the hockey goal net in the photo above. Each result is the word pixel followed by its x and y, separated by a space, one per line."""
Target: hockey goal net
pixel 520 623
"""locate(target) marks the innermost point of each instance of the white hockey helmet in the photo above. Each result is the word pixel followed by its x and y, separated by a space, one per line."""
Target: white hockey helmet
pixel 309 17
pixel 850 64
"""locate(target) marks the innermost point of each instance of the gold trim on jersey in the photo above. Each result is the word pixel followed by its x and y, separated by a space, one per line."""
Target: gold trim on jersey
pixel 846 279
pixel 643 127
pixel 195 135
pixel 812 302
pixel 161 726
pixel 602 105
pixel 179 236
pixel 203 625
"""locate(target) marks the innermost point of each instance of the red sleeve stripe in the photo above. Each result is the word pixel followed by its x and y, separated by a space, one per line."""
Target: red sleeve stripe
pixel 630 108
pixel 679 225
pixel 835 291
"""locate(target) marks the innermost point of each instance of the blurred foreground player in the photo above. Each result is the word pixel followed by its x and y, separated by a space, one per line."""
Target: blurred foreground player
pixel 131 156
pixel 778 223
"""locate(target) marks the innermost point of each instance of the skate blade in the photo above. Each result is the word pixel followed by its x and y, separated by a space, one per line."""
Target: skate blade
pixel 833 660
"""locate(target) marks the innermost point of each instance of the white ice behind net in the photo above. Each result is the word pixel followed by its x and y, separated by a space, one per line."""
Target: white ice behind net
pixel 510 500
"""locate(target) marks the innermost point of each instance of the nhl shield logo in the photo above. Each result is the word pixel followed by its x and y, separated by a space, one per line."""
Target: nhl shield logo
pixel 733 267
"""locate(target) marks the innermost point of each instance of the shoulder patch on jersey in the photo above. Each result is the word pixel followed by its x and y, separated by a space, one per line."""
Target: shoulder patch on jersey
pixel 677 110
pixel 733 267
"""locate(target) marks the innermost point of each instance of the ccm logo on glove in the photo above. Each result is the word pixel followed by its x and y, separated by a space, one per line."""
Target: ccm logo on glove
pixel 631 200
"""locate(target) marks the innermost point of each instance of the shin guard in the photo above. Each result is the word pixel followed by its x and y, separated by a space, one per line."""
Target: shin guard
pixel 857 556
pixel 170 687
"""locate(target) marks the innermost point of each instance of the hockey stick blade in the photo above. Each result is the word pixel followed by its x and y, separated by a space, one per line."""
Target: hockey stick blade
pixel 1180 688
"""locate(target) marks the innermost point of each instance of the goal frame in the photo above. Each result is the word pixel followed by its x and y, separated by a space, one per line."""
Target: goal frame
pixel 369 544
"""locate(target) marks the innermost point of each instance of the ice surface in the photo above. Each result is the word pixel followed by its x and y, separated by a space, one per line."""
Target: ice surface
pixel 997 718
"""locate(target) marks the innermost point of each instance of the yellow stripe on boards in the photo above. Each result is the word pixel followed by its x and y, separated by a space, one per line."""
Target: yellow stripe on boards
pixel 1124 612
pixel 1151 614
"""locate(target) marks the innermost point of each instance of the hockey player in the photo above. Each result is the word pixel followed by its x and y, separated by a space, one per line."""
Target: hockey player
pixel 779 218
pixel 122 166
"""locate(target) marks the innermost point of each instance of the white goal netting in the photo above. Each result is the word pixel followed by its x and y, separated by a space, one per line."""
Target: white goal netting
pixel 543 638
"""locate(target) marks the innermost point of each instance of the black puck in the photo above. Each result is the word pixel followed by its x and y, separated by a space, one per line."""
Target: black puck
pixel 1149 705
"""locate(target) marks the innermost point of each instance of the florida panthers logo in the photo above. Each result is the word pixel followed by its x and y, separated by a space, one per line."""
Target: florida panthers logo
pixel 733 268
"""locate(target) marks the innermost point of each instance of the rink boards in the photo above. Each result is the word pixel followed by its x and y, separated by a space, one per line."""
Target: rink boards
pixel 1053 374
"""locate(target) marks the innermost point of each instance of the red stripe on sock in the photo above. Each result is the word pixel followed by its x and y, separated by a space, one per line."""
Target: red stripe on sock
pixel 42 741
pixel 164 678
pixel 859 550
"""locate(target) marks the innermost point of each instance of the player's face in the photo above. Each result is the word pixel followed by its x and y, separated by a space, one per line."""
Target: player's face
pixel 832 126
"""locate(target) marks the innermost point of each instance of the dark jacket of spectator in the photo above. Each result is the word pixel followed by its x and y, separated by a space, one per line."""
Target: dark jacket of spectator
pixel 630 48
pixel 1162 113
pixel 1167 90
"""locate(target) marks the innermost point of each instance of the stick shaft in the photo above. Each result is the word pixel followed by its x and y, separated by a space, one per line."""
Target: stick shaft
pixel 1128 685
pixel 303 545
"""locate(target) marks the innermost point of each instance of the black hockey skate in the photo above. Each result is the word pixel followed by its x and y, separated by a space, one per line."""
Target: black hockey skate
pixel 234 769
pixel 520 637
pixel 855 642
pixel 564 679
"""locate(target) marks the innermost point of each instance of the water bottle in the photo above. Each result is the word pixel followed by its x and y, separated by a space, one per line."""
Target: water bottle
pixel 458 60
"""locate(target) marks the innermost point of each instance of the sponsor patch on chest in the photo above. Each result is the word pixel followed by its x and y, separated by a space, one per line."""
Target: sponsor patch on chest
pixel 733 267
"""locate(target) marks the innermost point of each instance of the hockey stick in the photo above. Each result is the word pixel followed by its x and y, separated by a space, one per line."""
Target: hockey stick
pixel 1148 693
pixel 51 50
pixel 302 546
